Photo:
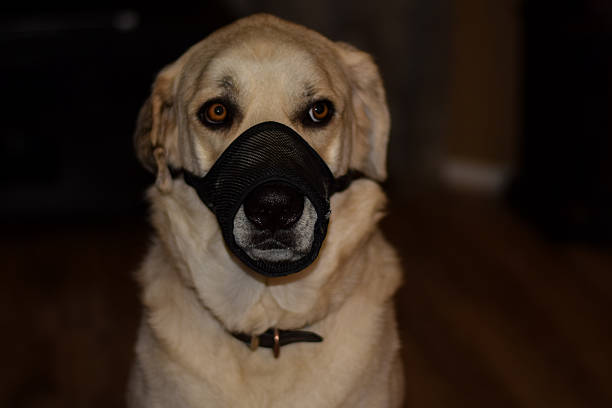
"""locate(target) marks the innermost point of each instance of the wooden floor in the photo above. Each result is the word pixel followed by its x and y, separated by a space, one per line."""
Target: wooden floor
pixel 491 314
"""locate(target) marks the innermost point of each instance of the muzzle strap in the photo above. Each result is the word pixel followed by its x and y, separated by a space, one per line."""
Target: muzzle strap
pixel 343 182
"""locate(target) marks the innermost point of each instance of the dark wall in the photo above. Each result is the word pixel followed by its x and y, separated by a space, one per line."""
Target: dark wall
pixel 73 82
pixel 564 183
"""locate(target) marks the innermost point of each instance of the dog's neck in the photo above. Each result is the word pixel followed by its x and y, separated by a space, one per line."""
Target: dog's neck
pixel 187 247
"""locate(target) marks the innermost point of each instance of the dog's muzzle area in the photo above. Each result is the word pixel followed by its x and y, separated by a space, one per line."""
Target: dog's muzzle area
pixel 270 192
pixel 275 223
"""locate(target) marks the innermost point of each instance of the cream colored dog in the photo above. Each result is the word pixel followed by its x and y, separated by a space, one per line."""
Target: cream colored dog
pixel 196 293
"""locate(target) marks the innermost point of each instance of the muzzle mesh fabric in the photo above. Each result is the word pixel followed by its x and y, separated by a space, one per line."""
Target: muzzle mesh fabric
pixel 266 152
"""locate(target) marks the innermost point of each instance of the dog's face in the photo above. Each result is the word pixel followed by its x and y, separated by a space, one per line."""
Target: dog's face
pixel 256 70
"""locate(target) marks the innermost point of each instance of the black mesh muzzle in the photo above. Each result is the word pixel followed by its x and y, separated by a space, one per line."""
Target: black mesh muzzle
pixel 267 152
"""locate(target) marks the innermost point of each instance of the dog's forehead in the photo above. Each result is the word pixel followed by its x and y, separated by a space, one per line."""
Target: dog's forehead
pixel 263 59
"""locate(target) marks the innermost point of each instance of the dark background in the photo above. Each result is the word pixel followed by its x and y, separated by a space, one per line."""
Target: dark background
pixel 508 285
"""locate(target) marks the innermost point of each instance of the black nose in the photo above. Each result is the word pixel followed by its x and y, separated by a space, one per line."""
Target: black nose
pixel 273 206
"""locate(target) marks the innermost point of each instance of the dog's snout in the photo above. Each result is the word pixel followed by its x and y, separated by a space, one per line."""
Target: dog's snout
pixel 274 206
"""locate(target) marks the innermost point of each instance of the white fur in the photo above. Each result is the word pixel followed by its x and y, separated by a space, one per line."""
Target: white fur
pixel 302 233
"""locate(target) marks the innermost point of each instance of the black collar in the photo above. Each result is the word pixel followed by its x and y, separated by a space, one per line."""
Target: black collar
pixel 275 338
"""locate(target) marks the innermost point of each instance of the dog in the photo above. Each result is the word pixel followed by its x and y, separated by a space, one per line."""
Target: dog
pixel 268 282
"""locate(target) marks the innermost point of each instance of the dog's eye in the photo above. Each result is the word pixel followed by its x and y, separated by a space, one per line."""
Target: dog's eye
pixel 214 114
pixel 320 113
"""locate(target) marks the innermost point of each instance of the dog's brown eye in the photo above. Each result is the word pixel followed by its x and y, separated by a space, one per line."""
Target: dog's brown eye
pixel 216 113
pixel 320 112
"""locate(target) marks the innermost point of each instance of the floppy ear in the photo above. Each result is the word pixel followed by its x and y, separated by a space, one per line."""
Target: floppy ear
pixel 156 136
pixel 371 122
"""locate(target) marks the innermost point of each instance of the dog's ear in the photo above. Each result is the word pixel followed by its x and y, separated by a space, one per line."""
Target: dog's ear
pixel 156 135
pixel 372 122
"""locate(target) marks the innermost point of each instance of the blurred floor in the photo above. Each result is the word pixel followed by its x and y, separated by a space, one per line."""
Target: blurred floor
pixel 491 314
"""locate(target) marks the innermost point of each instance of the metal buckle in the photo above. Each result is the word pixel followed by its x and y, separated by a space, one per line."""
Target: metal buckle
pixel 276 343
pixel 254 342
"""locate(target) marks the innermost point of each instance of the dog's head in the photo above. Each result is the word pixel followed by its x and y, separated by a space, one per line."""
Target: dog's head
pixel 260 70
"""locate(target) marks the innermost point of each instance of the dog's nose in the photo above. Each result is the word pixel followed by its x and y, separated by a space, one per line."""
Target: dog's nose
pixel 274 206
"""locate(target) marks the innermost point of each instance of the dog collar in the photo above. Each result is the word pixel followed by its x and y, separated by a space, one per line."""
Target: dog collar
pixel 274 338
